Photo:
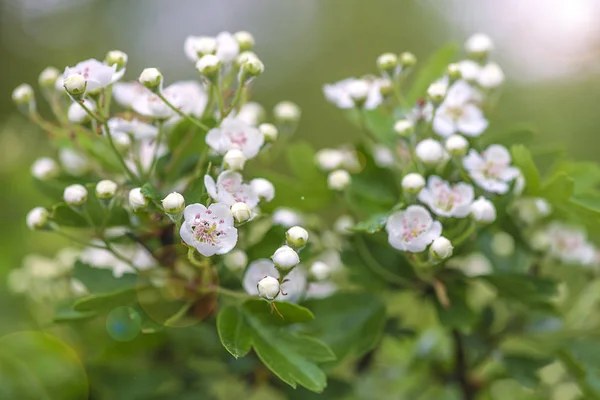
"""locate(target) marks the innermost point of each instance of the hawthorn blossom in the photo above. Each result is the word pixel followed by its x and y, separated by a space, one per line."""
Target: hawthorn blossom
pixel 96 74
pixel 286 217
pixel 569 244
pixel 210 230
pixel 293 287
pixel 145 152
pixel 457 113
pixel 227 47
pixel 135 127
pixel 195 47
pixel 251 113
pixel 104 259
pixel 235 134
pixel 126 93
pixel 230 189
pixel 187 96
pixel 491 170
pixel 343 95
pixel 447 200
pixel 412 229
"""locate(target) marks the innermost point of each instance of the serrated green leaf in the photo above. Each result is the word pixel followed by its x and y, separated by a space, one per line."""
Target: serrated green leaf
pixel 434 68
pixel 151 192
pixel 63 215
pixel 374 224
pixel 522 158
pixel 106 301
pixel 290 313
pixel 233 331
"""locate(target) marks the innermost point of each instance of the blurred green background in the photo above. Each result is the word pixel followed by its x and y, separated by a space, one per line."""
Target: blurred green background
pixel 549 50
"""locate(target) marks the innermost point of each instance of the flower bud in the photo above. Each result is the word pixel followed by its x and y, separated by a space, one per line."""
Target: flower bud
pixel 441 248
pixel 244 57
pixel 286 111
pixel 502 244
pixel 75 85
pixel 37 218
pixel 137 200
pixel 453 72
pixel 358 91
pixel 174 203
pixel 320 271
pixel 404 127
pixel 436 92
pixel 245 40
pixel 490 76
pixel 469 70
pixel 122 141
pixel 106 189
pixel 343 224
pixel 338 179
pixel 75 195
pixel 268 288
pixel 269 132
pixel 285 258
pixel 263 189
pixel 388 64
pixel 413 183
pixel 209 66
pixel 386 88
pixel 45 168
pixel 23 94
pixel 234 160
pixel 235 260
pixel 241 212
pixel 204 45
pixel 457 145
pixel 151 78
pixel 483 210
pixel 430 152
pixel 408 60
pixel 296 237
pixel 253 66
pixel 116 57
pixel 478 46
pixel 77 114
pixel 48 77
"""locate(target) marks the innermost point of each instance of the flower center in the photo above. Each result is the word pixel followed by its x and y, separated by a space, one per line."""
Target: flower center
pixel 447 198
pixel 492 169
pixel 454 112
pixel 206 228
pixel 238 138
pixel 413 228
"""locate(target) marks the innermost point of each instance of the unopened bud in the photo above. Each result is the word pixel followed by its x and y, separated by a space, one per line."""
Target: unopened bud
pixel 23 94
pixel 386 88
pixel 483 210
pixel 441 248
pixel 209 66
pixel 286 112
pixel 404 127
pixel 263 189
pixel 245 40
pixel 75 85
pixel 320 271
pixel 269 132
pixel 436 92
pixel 413 183
pixel 338 179
pixel 253 66
pixel 296 237
pixel 122 141
pixel 388 64
pixel 285 258
pixel 457 145
pixel 244 57
pixel 479 46
pixel 75 195
pixel 241 212
pixel 48 77
pixel 174 203
pixel 151 78
pixel 137 200
pixel 268 288
pixel 116 57
pixel 235 260
pixel 490 76
pixel 453 72
pixel 358 91
pixel 234 160
pixel 45 168
pixel 408 60
pixel 106 189
pixel 430 152
pixel 38 218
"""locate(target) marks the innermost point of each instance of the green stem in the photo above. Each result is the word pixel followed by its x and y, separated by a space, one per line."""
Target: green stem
pixel 465 235
pixel 159 140
pixel 132 176
pixel 182 114
pixel 179 314
pixel 220 100
pixel 236 98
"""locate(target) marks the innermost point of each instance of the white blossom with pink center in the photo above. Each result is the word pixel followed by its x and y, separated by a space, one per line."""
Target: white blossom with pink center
pixel 412 229
pixel 458 113
pixel 230 189
pixel 294 285
pixel 187 96
pixel 235 134
pixel 210 230
pixel 569 244
pixel 339 93
pixel 134 127
pixel 227 47
pixel 96 74
pixel 447 200
pixel 126 93
pixel 491 170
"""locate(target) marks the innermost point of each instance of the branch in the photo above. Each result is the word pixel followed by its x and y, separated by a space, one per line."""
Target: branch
pixel 462 369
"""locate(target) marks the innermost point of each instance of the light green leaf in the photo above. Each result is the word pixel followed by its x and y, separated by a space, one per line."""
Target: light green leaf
pixel 63 215
pixel 106 301
pixel 233 331
pixel 433 68
pixel 100 280
pixel 558 189
pixel 588 201
pixel 374 224
pixel 529 290
pixel 522 158
pixel 151 192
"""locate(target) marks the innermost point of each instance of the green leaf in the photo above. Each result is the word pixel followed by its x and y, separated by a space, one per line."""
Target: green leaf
pixel 526 289
pixel 99 280
pixel 434 68
pixel 381 124
pixel 300 158
pixel 588 201
pixel 558 189
pixel 63 215
pixel 586 175
pixel 350 323
pixel 290 313
pixel 524 369
pixel 374 224
pixel 518 134
pixel 195 193
pixel 233 331
pixel 522 158
pixel 458 314
pixel 106 301
pixel 151 192
pixel 64 313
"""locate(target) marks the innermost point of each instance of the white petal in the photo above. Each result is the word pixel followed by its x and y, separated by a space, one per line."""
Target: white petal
pixel 443 124
pixel 256 271
pixel 192 210
pixel 186 234
pixel 211 187
pixel 497 154
pixel 228 241
pixel 214 139
pixel 472 122
pixel 472 161
pixel 223 212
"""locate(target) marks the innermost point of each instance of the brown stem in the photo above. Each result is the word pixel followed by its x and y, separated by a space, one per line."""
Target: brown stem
pixel 462 369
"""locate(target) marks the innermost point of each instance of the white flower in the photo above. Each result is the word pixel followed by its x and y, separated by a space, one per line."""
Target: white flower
pixel 343 224
pixel 490 76
pixel 208 65
pixel 23 94
pixel 447 200
pixel 263 189
pixel 269 131
pixel 457 145
pixel 244 39
pixel 268 287
pixel 230 189
pixel 479 44
pixel 227 47
pixel 197 46
pixel 437 91
pixel 210 230
pixel 135 127
pixel 338 179
pixel 174 203
pixel 75 195
pixel 292 289
pixel 383 156
pixel 235 260
pixel 404 127
pixel 296 237
pixel 469 70
pixel 285 258
pixel 412 229
pixel 235 134
pixel 106 189
pixel 251 113
pixel 241 212
pixel 97 75
pixel 103 259
pixel 48 77
pixel 491 170
pixel 73 162
pixel 347 92
pixel 329 159
pixel 320 270
pixel 286 217
pixel 413 183
pixel 458 114
pixel 137 200
pixel 531 209
pixel 441 248
pixel 37 218
pixel 150 78
pixel 430 152
pixel 569 244
pixel 472 265
pixel 187 96
pixel 126 93
pixel 483 210
pixel 234 160
pixel 116 57
pixel 45 168
pixel 77 114
pixel 286 111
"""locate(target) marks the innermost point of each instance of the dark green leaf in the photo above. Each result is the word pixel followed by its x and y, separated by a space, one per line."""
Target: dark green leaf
pixel 300 158
pixel 434 68
pixel 524 369
pixel 522 158
pixel 65 313
pixel 233 331
pixel 374 224
pixel 98 280
pixel 526 289
pixel 151 192
pixel 63 215
pixel 106 301
pixel 195 193
pixel 457 314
